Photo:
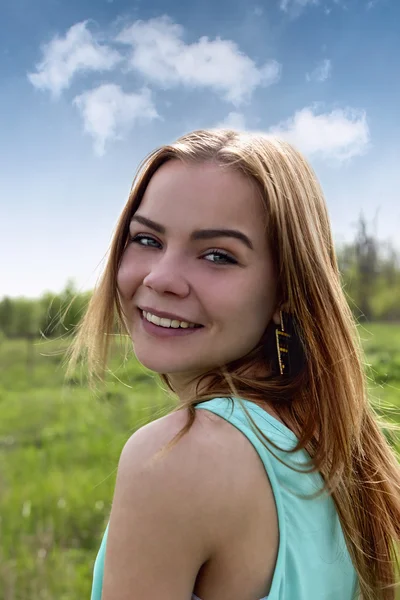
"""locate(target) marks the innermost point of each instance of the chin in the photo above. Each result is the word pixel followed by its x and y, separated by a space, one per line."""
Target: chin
pixel 165 364
pixel 159 364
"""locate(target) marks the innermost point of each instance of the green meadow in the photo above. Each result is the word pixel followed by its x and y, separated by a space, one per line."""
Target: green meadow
pixel 59 450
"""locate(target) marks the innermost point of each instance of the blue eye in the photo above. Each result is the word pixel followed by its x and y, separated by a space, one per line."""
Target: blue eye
pixel 136 239
pixel 214 252
pixel 224 255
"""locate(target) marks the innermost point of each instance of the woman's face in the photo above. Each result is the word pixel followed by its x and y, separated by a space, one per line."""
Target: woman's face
pixel 171 270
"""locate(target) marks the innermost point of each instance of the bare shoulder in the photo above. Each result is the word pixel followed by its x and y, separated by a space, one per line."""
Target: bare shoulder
pixel 198 456
pixel 195 445
pixel 210 466
pixel 164 512
pixel 210 442
pixel 180 514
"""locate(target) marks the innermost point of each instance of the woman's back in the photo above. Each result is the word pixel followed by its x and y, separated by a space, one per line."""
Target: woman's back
pixel 294 552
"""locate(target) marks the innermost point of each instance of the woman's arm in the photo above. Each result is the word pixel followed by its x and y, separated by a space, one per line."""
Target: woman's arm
pixel 162 518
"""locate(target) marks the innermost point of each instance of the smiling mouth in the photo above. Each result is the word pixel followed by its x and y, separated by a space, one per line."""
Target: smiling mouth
pixel 195 326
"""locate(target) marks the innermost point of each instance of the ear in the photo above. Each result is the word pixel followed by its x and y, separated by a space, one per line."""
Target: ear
pixel 276 317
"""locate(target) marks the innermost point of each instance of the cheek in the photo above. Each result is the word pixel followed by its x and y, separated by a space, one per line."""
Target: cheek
pixel 253 310
pixel 238 302
pixel 127 277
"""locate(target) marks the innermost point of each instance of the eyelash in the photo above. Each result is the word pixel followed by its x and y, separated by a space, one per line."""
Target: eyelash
pixel 135 239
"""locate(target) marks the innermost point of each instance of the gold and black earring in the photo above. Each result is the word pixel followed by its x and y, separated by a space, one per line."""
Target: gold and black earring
pixel 283 336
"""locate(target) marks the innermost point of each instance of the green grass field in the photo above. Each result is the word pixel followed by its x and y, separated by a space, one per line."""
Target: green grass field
pixel 59 449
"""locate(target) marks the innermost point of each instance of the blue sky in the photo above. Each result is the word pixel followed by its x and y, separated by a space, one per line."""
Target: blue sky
pixel 88 88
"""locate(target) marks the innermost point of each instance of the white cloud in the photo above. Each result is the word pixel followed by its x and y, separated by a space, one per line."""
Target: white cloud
pixel 295 5
pixel 161 55
pixel 63 57
pixel 321 72
pixel 234 120
pixel 339 135
pixel 372 4
pixel 108 112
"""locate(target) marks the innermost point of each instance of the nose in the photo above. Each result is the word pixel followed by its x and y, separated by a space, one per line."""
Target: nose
pixel 167 276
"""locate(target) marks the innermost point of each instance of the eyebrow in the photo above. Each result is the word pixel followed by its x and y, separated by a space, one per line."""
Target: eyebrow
pixel 198 234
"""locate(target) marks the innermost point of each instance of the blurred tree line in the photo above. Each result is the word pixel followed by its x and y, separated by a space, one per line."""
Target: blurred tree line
pixel 370 274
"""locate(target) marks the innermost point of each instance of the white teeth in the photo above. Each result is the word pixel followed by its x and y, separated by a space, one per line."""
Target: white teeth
pixel 163 322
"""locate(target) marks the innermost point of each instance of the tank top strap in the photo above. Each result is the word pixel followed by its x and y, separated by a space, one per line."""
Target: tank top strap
pixel 277 460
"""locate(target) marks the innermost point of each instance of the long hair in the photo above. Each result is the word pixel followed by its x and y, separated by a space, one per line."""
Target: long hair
pixel 325 400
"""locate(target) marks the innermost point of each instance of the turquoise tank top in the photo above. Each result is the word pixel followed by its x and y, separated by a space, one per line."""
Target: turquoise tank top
pixel 313 562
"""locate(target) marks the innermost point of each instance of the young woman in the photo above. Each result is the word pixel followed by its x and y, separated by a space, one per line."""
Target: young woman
pixel 271 478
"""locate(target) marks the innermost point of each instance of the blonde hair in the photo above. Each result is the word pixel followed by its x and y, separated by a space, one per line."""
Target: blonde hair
pixel 326 402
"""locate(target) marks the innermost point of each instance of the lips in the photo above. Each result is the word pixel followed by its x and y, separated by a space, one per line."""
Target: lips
pixel 167 315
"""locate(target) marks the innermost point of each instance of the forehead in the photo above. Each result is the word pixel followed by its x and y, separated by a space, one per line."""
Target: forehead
pixel 206 194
